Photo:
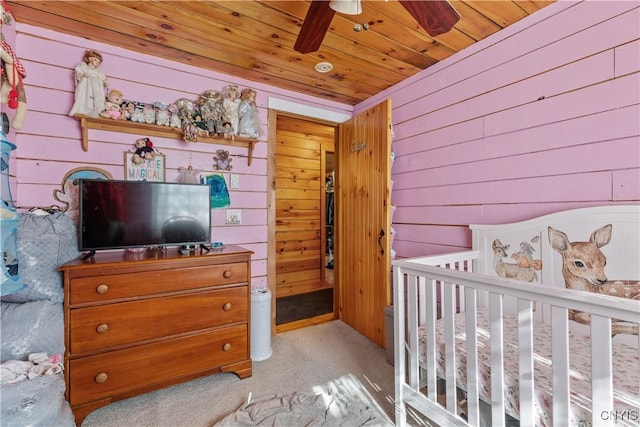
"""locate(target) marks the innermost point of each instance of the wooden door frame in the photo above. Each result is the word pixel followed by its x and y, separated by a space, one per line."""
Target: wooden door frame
pixel 272 121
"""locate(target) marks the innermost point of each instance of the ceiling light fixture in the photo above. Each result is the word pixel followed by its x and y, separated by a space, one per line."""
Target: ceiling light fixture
pixel 348 7
pixel 324 67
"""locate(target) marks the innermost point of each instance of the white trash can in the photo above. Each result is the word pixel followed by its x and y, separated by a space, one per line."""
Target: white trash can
pixel 260 324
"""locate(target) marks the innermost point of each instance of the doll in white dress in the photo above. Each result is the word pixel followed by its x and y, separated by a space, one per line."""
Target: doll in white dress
pixel 90 86
pixel 249 124
pixel 231 103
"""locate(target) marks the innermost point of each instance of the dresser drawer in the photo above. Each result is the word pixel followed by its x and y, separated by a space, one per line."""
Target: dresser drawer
pixel 104 326
pixel 115 286
pixel 115 372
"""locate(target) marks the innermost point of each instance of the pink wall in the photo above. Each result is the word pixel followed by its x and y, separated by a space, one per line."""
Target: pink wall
pixel 49 143
pixel 540 117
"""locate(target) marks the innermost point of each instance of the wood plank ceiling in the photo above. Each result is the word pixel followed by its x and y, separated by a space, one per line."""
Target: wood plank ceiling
pixel 254 40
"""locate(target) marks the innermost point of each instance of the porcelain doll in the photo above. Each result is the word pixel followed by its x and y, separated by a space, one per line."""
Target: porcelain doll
pixel 249 124
pixel 90 86
pixel 231 103
pixel 12 73
pixel 113 105
pixel 212 111
pixel 186 110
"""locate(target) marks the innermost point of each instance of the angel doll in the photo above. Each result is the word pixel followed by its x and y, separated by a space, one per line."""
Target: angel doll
pixel 90 86
pixel 249 123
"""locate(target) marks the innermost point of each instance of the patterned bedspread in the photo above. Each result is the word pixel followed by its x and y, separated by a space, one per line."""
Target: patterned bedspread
pixel 625 364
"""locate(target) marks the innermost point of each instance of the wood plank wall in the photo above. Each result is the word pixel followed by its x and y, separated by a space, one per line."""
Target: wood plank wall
pixel 543 117
pixel 300 204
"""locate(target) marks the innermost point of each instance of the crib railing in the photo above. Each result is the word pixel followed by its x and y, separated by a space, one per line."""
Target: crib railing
pixel 431 287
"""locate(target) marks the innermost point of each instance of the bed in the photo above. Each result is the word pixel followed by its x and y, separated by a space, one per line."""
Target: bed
pixel 536 325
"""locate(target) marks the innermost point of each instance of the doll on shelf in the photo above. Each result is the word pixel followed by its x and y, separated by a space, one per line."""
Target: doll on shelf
pixel 90 86
pixel 231 103
pixel 12 73
pixel 112 106
pixel 249 123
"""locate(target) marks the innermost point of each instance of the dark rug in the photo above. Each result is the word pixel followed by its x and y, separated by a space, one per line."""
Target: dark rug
pixel 303 306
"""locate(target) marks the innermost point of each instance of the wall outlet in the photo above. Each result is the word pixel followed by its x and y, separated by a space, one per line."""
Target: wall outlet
pixel 234 180
pixel 234 216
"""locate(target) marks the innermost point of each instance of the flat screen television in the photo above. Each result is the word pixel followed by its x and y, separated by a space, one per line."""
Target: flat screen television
pixel 133 214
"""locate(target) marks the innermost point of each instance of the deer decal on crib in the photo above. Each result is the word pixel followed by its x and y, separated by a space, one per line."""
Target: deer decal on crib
pixel 523 269
pixel 583 269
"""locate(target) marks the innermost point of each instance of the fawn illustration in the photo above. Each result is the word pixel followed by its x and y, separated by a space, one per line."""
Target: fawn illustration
pixel 510 270
pixel 583 269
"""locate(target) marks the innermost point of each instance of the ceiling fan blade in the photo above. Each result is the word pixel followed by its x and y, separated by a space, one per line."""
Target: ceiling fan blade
pixel 435 16
pixel 314 27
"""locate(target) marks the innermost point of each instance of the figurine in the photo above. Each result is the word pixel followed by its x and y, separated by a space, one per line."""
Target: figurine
pixel 90 86
pixel 249 124
pixel 12 74
pixel 112 106
pixel 174 122
pixel 127 109
pixel 163 117
pixel 231 103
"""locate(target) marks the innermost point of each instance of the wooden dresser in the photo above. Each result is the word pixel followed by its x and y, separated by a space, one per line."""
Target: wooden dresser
pixel 136 322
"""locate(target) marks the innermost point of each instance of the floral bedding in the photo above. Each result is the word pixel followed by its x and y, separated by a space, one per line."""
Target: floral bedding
pixel 625 364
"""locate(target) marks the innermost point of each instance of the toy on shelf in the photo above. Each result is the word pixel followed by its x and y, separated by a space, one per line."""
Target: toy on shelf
pixel 91 83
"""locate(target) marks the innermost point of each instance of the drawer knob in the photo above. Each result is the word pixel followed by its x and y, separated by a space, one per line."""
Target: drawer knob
pixel 226 347
pixel 101 329
pixel 226 274
pixel 102 289
pixel 227 306
pixel 101 377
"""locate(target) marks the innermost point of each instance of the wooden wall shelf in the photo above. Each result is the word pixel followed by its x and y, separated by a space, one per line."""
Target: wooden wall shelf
pixel 144 129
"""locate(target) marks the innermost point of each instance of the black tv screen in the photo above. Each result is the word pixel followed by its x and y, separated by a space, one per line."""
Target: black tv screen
pixel 129 214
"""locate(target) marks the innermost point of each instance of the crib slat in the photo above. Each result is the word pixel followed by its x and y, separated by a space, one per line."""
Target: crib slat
pixel 525 362
pixel 412 332
pixel 560 365
pixel 497 360
pixel 601 370
pixel 448 312
pixel 473 377
pixel 432 377
pixel 399 350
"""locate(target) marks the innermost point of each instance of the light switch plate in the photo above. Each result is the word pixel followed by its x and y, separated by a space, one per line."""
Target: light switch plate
pixel 234 180
pixel 234 216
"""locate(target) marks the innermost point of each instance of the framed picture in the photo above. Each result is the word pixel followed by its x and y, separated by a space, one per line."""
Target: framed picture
pixel 139 169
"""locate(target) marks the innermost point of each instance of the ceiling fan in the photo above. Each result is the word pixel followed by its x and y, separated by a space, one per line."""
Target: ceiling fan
pixel 435 16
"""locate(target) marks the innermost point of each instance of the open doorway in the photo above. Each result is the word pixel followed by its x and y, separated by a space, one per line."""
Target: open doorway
pixel 303 175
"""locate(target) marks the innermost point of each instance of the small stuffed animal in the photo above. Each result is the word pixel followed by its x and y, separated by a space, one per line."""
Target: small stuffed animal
pixel 149 114
pixel 222 161
pixel 175 121
pixel 144 151
pixel 163 117
pixel 112 105
pixel 137 115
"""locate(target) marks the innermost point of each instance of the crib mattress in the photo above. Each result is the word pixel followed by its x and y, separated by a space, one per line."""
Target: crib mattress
pixel 626 368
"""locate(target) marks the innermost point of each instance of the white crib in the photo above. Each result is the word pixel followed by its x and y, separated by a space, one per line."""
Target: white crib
pixel 510 345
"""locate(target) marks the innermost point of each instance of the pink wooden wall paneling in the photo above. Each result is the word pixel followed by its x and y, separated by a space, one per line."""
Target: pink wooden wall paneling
pixel 49 144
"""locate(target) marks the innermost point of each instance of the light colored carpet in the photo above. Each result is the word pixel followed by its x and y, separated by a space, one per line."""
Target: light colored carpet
pixel 303 360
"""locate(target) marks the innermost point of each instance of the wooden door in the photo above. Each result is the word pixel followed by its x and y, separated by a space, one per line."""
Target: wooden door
pixel 363 217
